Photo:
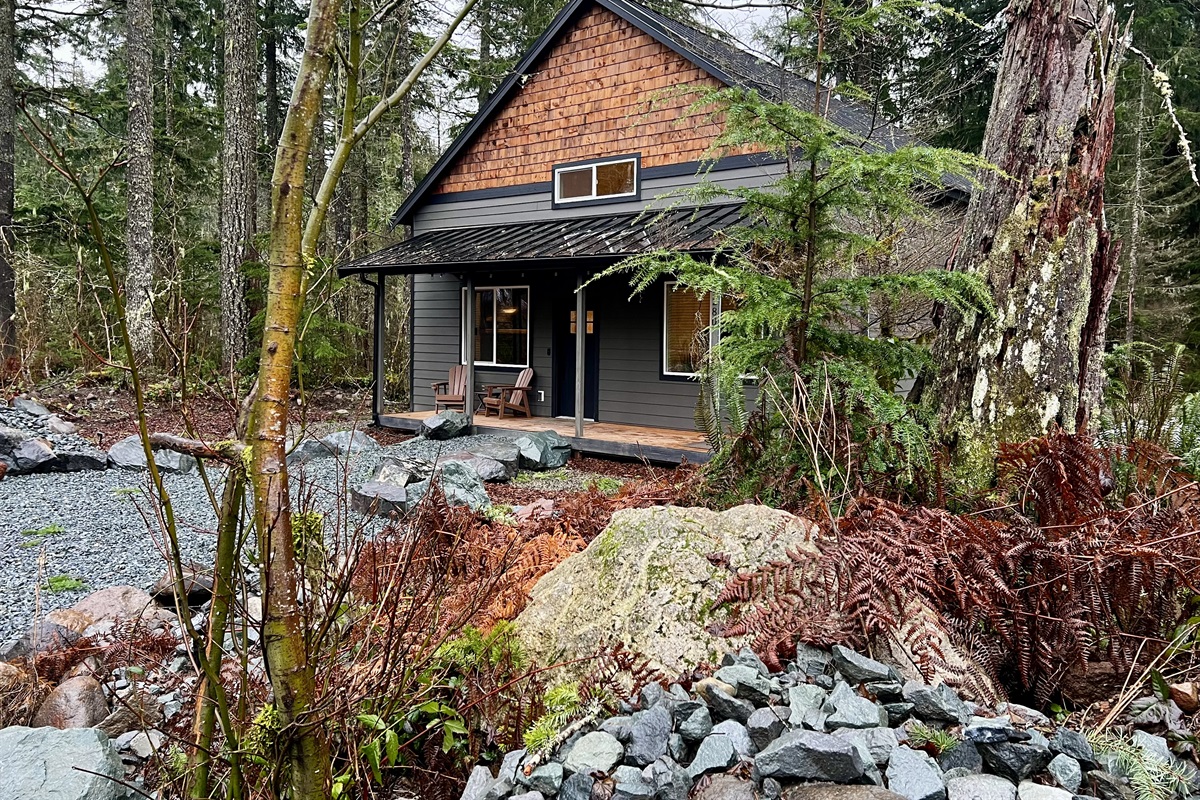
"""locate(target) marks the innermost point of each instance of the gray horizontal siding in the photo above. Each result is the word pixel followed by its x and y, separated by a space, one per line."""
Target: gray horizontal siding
pixel 437 339
pixel 529 208
pixel 632 389
pixel 436 312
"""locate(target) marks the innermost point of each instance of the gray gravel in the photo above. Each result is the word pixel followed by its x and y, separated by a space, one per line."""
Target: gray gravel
pixel 105 541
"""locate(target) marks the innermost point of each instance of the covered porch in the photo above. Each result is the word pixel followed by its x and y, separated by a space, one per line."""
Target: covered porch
pixel 495 300
pixel 613 439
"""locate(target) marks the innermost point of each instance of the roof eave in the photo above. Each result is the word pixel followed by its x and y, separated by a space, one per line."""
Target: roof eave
pixel 507 265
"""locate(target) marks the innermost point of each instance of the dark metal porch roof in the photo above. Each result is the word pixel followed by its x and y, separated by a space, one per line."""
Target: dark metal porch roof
pixel 596 239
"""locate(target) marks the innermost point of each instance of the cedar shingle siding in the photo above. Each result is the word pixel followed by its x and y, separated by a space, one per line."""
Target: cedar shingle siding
pixel 601 90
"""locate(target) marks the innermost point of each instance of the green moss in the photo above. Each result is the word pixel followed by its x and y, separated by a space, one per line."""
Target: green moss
pixel 57 584
pixel 655 574
pixel 49 530
pixel 607 549
pixel 308 538
pixel 605 485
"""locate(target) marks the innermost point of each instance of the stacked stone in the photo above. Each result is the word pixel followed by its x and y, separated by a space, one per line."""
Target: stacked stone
pixel 833 726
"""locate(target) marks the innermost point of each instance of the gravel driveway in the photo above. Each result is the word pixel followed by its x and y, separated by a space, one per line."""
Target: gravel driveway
pixel 98 528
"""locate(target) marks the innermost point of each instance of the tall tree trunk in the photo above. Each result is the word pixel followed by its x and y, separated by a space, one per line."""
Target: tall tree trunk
pixel 8 284
pixel 284 640
pixel 139 175
pixel 360 201
pixel 1135 216
pixel 486 80
pixel 1037 236
pixel 271 114
pixel 238 174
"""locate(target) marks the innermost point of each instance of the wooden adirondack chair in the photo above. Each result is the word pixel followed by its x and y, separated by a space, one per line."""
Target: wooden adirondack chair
pixel 451 393
pixel 514 398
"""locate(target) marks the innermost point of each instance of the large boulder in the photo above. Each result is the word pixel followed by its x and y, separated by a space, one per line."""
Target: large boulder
pixel 494 462
pixel 403 470
pixel 395 487
pixel 71 455
pixel 77 764
pixel 197 586
pixel 129 454
pixel 119 604
pixel 446 425
pixel 43 637
pixel 655 558
pixel 306 450
pixel 75 703
pixel 29 406
pixel 349 443
pixel 543 450
pixel 31 454
pixel 462 486
pixel 381 499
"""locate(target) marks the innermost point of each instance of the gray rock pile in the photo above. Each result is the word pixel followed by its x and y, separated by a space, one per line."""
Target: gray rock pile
pixel 399 483
pixel 34 440
pixel 831 718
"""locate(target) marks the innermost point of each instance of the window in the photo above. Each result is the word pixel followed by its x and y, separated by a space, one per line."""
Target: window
pixel 687 319
pixel 601 180
pixel 501 326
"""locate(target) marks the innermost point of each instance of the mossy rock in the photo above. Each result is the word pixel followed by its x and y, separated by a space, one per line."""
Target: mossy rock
pixel 649 583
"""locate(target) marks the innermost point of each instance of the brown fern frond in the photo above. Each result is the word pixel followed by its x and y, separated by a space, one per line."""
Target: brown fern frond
pixel 1028 596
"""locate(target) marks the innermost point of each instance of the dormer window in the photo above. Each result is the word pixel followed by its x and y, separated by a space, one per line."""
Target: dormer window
pixel 593 181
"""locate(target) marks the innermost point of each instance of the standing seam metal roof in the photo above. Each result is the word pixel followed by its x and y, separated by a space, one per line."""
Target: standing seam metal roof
pixel 615 236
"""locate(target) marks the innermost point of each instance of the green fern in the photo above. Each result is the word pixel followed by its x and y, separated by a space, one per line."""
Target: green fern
pixel 564 706
pixel 1150 777
pixel 474 649
pixel 921 736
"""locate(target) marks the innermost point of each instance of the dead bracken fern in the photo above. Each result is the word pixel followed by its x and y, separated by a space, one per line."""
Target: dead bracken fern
pixel 1053 576
pixel 428 628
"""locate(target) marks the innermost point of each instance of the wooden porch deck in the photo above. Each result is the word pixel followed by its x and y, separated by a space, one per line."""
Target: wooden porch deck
pixel 660 445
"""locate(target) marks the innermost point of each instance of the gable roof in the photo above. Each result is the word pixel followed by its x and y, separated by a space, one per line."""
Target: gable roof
pixel 725 62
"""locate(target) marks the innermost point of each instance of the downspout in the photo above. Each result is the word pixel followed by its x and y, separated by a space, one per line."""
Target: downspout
pixel 469 352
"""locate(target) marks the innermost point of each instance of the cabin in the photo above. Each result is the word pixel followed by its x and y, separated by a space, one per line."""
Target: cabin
pixel 544 189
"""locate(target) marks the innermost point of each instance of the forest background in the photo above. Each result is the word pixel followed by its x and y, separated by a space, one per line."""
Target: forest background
pixel 70 70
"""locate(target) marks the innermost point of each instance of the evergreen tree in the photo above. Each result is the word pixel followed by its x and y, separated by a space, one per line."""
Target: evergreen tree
pixel 804 274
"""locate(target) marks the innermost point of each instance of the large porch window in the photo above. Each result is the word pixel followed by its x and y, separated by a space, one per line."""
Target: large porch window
pixel 687 322
pixel 501 326
pixel 687 319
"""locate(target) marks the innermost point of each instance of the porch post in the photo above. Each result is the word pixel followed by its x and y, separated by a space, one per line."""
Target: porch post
pixel 469 350
pixel 580 351
pixel 378 350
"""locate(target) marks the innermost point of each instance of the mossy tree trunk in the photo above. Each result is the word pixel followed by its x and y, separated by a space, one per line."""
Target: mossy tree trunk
pixel 8 112
pixel 1037 235
pixel 284 637
pixel 139 176
pixel 238 174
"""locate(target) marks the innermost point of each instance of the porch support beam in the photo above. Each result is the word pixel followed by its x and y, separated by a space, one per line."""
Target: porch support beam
pixel 469 351
pixel 378 350
pixel 580 351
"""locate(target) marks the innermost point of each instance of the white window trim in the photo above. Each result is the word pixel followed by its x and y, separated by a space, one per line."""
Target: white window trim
pixel 462 358
pixel 714 314
pixel 559 200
